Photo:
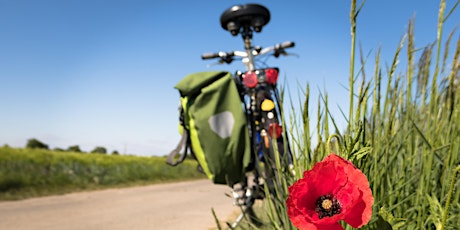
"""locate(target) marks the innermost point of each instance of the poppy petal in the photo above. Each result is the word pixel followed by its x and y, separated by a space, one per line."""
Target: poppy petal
pixel 335 226
pixel 310 226
pixel 328 177
pixel 361 213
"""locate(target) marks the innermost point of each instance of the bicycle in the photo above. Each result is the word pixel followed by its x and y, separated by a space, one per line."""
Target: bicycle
pixel 261 101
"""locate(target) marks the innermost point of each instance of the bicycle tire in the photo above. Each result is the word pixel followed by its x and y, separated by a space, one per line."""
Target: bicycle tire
pixel 276 158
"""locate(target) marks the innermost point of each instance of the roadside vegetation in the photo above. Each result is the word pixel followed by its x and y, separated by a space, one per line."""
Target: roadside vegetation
pixel 403 132
pixel 31 172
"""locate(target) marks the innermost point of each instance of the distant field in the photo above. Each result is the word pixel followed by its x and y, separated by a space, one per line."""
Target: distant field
pixel 33 172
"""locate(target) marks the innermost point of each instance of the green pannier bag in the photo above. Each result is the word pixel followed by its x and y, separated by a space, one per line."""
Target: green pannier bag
pixel 213 126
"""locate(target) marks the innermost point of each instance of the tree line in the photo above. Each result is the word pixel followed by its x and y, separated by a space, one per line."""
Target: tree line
pixel 33 143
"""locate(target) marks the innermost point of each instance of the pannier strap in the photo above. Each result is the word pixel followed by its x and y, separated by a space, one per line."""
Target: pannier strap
pixel 173 154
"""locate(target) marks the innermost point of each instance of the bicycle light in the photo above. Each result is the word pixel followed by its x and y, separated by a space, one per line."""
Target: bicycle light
pixel 271 75
pixel 250 79
pixel 275 130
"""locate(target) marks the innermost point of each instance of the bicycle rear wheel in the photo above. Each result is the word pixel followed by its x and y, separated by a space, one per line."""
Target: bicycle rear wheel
pixel 277 157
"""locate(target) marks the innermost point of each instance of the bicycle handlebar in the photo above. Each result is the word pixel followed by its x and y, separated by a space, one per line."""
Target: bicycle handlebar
pixel 287 44
pixel 228 56
pixel 211 55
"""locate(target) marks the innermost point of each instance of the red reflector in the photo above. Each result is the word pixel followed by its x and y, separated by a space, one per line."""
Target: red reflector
pixel 275 130
pixel 271 76
pixel 250 79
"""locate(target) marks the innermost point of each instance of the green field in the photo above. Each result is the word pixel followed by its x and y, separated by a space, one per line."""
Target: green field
pixel 36 172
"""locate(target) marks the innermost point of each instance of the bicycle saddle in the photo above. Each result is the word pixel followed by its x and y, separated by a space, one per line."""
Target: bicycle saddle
pixel 246 16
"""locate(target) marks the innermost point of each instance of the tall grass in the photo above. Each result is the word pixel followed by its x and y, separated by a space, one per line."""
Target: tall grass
pixel 32 172
pixel 403 132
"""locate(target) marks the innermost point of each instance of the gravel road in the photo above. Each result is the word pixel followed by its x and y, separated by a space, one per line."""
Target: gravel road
pixel 184 205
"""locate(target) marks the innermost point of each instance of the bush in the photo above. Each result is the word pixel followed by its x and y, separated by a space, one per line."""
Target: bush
pixel 74 148
pixel 99 149
pixel 35 144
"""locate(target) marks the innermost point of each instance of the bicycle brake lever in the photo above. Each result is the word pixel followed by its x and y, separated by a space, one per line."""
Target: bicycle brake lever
pixel 226 59
pixel 284 53
pixel 279 52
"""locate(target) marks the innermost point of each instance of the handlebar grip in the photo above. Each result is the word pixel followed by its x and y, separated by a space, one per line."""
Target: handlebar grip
pixel 287 44
pixel 209 56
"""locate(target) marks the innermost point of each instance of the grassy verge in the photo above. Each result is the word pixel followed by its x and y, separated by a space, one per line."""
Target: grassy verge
pixel 403 133
pixel 246 224
pixel 31 172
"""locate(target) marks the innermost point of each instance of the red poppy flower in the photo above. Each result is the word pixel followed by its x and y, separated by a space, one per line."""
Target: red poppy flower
pixel 333 190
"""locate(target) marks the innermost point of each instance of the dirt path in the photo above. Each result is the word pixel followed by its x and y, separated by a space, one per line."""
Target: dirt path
pixel 184 205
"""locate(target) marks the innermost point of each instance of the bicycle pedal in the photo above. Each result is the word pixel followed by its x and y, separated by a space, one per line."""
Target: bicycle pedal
pixel 238 194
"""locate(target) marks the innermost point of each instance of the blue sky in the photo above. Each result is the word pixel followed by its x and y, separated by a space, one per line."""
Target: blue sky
pixel 101 73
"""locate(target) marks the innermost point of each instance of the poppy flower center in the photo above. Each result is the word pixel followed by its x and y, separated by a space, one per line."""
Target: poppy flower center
pixel 327 206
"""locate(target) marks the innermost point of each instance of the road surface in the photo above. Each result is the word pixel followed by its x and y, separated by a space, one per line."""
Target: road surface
pixel 184 205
